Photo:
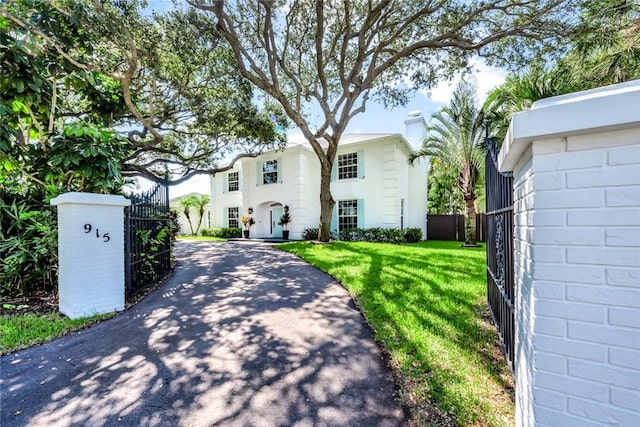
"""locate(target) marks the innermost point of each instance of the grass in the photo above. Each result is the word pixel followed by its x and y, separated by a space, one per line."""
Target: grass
pixel 426 304
pixel 201 238
pixel 18 331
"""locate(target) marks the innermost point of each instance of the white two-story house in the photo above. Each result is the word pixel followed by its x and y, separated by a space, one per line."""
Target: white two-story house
pixel 372 183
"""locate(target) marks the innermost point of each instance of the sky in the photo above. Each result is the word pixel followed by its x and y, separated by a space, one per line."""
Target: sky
pixel 375 119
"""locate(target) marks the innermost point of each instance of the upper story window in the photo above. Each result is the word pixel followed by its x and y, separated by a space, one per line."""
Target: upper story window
pixel 348 166
pixel 270 172
pixel 233 181
pixel 347 214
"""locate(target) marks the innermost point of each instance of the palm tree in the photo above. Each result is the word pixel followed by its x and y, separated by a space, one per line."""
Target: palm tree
pixel 187 202
pixel 200 201
pixel 519 92
pixel 605 51
pixel 608 47
pixel 456 137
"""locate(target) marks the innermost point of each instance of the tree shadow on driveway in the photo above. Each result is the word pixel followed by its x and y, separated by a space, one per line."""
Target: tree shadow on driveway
pixel 242 334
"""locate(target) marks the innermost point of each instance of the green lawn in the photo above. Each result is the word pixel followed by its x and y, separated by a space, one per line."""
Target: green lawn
pixel 20 331
pixel 426 304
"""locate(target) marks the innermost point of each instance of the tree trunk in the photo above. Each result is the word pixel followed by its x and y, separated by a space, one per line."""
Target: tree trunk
pixel 470 221
pixel 326 204
pixel 200 221
pixel 186 213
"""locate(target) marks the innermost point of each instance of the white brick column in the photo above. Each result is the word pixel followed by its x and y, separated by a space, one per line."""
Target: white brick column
pixel 90 253
pixel 576 164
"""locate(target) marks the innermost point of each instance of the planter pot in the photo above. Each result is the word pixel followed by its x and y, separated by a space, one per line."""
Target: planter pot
pixel 285 234
pixel 245 233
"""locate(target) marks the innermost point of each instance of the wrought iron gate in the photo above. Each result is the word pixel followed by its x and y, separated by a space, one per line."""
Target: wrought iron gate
pixel 500 289
pixel 147 239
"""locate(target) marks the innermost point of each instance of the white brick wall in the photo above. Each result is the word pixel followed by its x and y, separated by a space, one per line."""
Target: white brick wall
pixel 90 264
pixel 577 266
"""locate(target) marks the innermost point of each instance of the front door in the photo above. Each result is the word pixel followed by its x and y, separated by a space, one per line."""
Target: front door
pixel 276 213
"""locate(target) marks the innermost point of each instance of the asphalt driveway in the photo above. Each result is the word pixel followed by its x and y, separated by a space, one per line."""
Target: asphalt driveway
pixel 242 335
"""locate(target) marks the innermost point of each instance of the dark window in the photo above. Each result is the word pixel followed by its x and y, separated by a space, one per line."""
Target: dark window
pixel 233 214
pixel 233 181
pixel 270 172
pixel 348 166
pixel 347 214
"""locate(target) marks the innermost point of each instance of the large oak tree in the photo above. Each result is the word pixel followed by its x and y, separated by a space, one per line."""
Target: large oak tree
pixel 336 55
pixel 167 83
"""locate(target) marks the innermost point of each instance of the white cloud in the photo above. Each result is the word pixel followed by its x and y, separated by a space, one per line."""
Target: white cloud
pixel 487 78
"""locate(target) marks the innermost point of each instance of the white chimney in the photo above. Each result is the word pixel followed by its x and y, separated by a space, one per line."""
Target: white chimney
pixel 415 129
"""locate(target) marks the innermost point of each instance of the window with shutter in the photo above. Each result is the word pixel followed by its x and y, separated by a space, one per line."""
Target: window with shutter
pixel 233 181
pixel 270 172
pixel 347 214
pixel 233 217
pixel 348 166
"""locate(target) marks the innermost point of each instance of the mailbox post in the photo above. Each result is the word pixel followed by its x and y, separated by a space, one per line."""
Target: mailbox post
pixel 90 253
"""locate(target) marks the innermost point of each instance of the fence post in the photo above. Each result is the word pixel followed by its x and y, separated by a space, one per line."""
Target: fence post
pixel 90 253
pixel 575 162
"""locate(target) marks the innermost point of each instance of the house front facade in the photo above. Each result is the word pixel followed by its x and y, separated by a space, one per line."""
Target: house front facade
pixel 372 183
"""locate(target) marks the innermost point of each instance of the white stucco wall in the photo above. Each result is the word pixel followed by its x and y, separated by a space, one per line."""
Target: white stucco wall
pixel 194 213
pixel 221 199
pixel 377 188
pixel 387 179
pixel 576 164
pixel 290 190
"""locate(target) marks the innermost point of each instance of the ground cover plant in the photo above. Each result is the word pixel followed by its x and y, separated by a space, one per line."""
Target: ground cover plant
pixel 426 303
pixel 20 331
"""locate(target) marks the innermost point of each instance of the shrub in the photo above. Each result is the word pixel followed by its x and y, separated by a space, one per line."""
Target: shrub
pixel 310 234
pixel 28 246
pixel 208 232
pixel 375 234
pixel 223 233
pixel 412 235
pixel 174 224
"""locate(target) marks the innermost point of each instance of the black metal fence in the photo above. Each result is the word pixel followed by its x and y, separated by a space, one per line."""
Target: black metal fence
pixel 451 227
pixel 147 239
pixel 500 288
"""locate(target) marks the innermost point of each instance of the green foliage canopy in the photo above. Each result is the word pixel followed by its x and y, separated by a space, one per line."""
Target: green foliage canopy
pixel 337 55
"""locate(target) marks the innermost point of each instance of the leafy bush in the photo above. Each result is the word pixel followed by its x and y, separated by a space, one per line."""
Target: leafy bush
pixel 28 246
pixel 376 234
pixel 413 235
pixel 174 224
pixel 224 233
pixel 208 232
pixel 78 157
pixel 310 234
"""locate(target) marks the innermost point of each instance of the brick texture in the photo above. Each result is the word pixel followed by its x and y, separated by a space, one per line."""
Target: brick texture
pixel 91 254
pixel 577 268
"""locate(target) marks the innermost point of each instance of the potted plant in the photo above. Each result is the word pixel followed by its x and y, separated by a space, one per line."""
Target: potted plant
pixel 247 221
pixel 284 220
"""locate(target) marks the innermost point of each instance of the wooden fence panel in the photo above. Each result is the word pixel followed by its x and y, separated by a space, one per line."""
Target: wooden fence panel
pixel 451 227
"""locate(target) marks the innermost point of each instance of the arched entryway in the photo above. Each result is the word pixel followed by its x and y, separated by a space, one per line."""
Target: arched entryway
pixel 267 215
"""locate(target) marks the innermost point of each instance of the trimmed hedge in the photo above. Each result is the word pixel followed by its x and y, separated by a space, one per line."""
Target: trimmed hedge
pixel 375 234
pixel 224 233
